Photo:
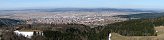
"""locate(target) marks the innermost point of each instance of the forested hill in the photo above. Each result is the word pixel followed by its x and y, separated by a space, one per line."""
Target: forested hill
pixel 139 27
pixel 9 22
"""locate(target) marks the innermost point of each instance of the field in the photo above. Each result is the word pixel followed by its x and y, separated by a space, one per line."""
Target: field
pixel 160 36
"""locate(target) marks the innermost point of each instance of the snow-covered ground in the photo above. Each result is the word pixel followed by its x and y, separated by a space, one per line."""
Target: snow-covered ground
pixel 26 34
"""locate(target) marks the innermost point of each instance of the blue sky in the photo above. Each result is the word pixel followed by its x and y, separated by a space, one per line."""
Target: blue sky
pixel 19 4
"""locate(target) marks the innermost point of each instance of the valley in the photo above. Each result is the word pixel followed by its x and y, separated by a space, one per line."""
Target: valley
pixel 81 25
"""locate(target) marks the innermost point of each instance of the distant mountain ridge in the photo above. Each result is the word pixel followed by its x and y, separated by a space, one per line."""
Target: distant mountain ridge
pixel 142 15
pixel 84 10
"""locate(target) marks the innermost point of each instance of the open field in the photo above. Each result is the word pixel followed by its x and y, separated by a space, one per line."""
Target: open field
pixel 160 36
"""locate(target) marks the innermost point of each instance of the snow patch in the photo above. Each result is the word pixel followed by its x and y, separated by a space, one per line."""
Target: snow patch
pixel 25 34
pixel 109 36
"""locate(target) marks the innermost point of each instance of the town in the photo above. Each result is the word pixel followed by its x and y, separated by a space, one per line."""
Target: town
pixel 88 18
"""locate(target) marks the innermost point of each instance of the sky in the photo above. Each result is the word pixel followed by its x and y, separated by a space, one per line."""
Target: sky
pixel 25 4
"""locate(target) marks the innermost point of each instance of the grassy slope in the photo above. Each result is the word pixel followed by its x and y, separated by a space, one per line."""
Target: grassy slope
pixel 160 33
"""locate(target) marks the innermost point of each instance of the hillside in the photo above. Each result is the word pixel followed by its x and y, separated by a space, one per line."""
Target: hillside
pixel 142 15
pixel 72 31
pixel 160 35
pixel 139 27
pixel 9 22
